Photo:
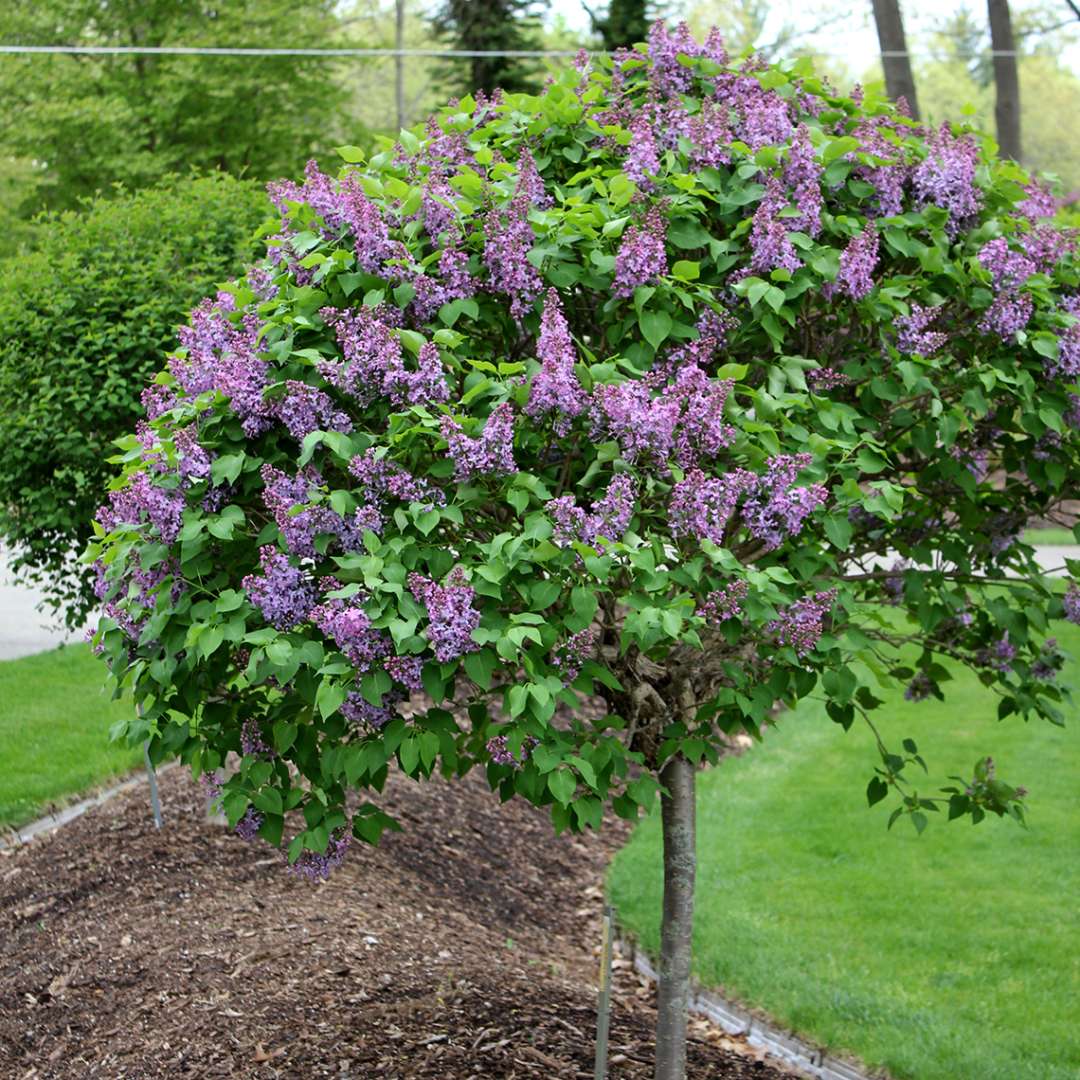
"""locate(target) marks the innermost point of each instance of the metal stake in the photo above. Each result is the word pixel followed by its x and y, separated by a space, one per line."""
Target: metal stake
pixel 603 1018
pixel 155 800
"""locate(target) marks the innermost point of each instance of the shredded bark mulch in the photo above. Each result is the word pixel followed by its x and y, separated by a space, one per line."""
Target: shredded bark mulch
pixel 463 947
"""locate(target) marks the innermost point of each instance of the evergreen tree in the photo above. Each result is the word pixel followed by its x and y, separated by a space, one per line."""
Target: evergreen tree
pixel 492 26
pixel 623 24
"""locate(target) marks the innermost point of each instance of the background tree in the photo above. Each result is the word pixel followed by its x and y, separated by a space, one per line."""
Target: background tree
pixel 508 25
pixel 98 120
pixel 593 446
pixel 1006 79
pixel 623 23
pixel 84 318
pixel 895 58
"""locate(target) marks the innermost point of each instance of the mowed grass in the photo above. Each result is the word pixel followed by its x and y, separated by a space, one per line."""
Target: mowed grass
pixel 951 956
pixel 54 731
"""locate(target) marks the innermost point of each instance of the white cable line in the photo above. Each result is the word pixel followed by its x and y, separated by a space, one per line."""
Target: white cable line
pixel 196 50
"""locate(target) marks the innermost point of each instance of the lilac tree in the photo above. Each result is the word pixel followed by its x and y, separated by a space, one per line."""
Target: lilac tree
pixel 689 386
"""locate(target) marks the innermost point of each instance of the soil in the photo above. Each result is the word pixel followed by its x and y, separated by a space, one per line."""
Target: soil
pixel 464 946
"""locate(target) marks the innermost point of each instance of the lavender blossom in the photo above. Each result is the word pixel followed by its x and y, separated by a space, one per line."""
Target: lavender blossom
pixel 800 624
pixel 641 258
pixel 491 454
pixel 555 388
pixel 317 867
pixel 451 615
pixel 724 603
pixel 247 828
pixel 282 592
pixel 912 333
pixel 857 262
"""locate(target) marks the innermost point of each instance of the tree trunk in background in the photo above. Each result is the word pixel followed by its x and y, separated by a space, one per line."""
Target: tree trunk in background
pixel 899 82
pixel 676 930
pixel 1006 79
pixel 399 61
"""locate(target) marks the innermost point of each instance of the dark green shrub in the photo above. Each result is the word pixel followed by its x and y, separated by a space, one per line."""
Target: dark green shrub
pixel 83 322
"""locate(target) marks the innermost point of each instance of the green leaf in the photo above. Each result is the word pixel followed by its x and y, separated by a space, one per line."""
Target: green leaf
pixel 870 462
pixel 876 790
pixel 685 270
pixel 562 784
pixel 655 327
pixel 329 698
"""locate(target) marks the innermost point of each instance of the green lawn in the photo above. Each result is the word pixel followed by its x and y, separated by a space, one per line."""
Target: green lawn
pixel 947 957
pixel 54 731
pixel 1052 535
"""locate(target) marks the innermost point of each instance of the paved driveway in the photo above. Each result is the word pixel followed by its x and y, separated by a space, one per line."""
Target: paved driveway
pixel 24 629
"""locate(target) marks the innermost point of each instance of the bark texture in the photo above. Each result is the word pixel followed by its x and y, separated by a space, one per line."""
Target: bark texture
pixel 1006 79
pixel 899 81
pixel 678 815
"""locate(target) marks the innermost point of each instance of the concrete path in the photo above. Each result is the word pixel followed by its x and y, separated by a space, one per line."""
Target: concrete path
pixel 23 628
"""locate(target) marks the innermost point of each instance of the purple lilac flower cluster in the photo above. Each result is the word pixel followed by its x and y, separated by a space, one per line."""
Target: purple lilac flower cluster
pixel 348 626
pixel 282 592
pixel 499 748
pixel 343 208
pixel 802 173
pixel 855 277
pixel 1071 603
pixel 1001 656
pixel 572 653
pixel 685 419
pixel 508 239
pixel 641 258
pixel 920 688
pixel 247 828
pixel 318 867
pixel 822 379
pixel 304 409
pixel 490 454
pixel 382 478
pixel 222 355
pixel 288 498
pixel 193 462
pixel 1048 663
pixel 1066 366
pixel 669 75
pixel 555 388
pixel 770 245
pixel 946 176
pixel 1010 309
pixel 135 588
pixel 913 333
pixel 609 519
pixel 800 624
pixel 701 505
pixel 142 502
pixel 374 365
pixel 363 715
pixel 774 507
pixel 724 603
pixel 251 740
pixel 451 615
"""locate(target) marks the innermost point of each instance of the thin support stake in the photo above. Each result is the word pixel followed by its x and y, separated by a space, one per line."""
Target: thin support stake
pixel 151 775
pixel 603 1018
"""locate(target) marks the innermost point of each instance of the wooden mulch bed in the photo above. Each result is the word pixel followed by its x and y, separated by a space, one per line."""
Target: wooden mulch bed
pixel 463 947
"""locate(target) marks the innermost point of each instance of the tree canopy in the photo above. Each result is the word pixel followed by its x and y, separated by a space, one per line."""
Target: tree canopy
pixel 91 121
pixel 574 432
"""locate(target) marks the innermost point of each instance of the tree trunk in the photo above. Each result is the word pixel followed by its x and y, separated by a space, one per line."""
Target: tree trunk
pixel 899 82
pixel 1006 79
pixel 680 857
